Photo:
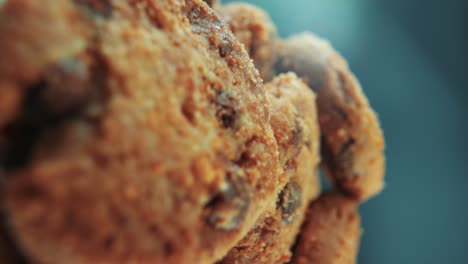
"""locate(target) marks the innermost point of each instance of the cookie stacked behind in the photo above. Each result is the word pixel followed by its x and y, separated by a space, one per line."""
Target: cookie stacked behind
pixel 294 122
pixel 352 142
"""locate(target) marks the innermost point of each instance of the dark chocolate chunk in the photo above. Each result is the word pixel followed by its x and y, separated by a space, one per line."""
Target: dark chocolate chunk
pixel 338 111
pixel 62 93
pixel 290 199
pixel 340 163
pixel 16 149
pixel 298 137
pixel 227 210
pixel 64 89
pixel 228 110
pixel 224 49
pixel 345 148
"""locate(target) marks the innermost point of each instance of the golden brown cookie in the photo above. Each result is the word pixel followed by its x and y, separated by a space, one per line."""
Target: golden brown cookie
pixel 253 27
pixel 352 141
pixel 331 232
pixel 139 131
pixel 143 134
pixel 295 125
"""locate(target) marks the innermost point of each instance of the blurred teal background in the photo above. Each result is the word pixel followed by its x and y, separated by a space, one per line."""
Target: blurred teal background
pixel 411 59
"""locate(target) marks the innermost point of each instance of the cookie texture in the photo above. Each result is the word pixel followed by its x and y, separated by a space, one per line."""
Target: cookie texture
pixel 253 27
pixel 352 143
pixel 352 140
pixel 331 232
pixel 295 126
pixel 141 131
pixel 141 134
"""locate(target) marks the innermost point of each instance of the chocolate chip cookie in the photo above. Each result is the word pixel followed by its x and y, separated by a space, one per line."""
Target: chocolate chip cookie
pixel 352 140
pixel 295 126
pixel 253 27
pixel 331 232
pixel 140 134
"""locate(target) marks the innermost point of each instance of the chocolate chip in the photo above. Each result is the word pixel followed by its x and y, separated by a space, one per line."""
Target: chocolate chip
pixel 298 136
pixel 291 151
pixel 344 157
pixel 245 160
pixel 169 248
pixel 63 92
pixel 188 110
pixel 290 199
pixel 345 148
pixel 298 132
pixel 197 17
pixel 340 162
pixel 17 146
pixel 225 48
pixel 99 7
pixel 340 112
pixel 227 111
pixel 227 210
pixel 65 88
pixel 109 242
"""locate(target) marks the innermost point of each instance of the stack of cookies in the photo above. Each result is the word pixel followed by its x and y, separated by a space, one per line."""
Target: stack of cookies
pixel 177 131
